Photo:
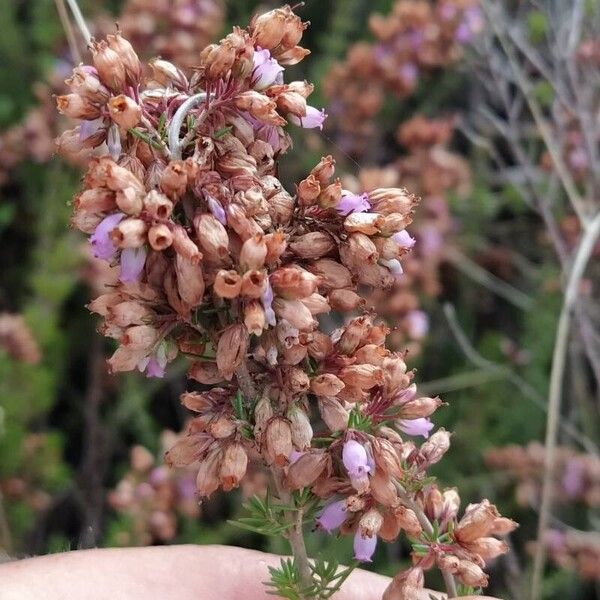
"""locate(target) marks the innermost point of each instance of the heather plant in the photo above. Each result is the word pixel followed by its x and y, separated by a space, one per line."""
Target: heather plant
pixel 219 263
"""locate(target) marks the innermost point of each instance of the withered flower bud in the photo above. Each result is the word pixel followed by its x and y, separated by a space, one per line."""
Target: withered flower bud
pixel 160 237
pixel 334 415
pixel 278 441
pixel 306 469
pixel 205 372
pixel 370 523
pixel 313 245
pixel 406 585
pixel 166 73
pixel 276 245
pixel 212 236
pixel 268 29
pixel 386 457
pixel 232 349
pixel 477 522
pixel 407 519
pixel 331 195
pixel 419 407
pixel 345 300
pixel 254 317
pixel 487 547
pixel 109 65
pixel 183 244
pixel 207 480
pixel 128 56
pixel 436 446
pixel 295 313
pixel 233 466
pixel 190 282
pixel 129 233
pixel 129 201
pixel 333 275
pixel 228 284
pixel 253 253
pixel 324 170
pixel 471 574
pixel 77 107
pixel 302 432
pixel 124 111
pixel 382 489
pixel 174 179
pixel 326 384
pixel 362 376
pixel 253 283
pixel 263 411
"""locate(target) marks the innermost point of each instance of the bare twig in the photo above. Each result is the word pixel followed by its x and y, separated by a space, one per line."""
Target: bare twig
pixel 63 15
pixel 80 21
pixel 555 393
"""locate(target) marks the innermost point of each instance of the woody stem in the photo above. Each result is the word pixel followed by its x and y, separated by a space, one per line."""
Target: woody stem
pixel 295 534
pixel 428 529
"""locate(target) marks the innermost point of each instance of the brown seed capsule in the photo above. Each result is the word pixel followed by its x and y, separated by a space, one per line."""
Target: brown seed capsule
pixel 293 282
pixel 407 519
pixel 331 195
pixel 419 407
pixel 471 574
pixel 128 313
pixel 232 349
pixel 386 457
pixel 308 190
pixel 124 111
pixel 160 237
pixel 157 205
pixel 332 274
pixel 487 547
pixel 324 170
pixel 228 284
pixel 278 441
pixel 268 29
pixel 276 245
pixel 406 585
pixel 263 411
pixel 306 469
pixel 294 312
pixel 96 200
pixel 477 522
pixel 382 489
pixel 334 415
pixel 436 446
pixel 292 102
pixel 233 467
pixel 390 529
pixel 129 233
pixel 362 376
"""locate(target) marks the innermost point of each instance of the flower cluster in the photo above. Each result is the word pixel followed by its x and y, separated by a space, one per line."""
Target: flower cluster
pixel 219 262
pixel 176 30
pixel 415 38
pixel 17 339
pixel 574 550
pixel 576 475
pixel 153 497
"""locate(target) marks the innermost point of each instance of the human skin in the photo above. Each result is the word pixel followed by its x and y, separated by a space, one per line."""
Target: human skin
pixel 161 573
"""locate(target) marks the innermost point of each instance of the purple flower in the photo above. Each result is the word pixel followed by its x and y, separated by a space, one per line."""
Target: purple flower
pixel 415 427
pixel 88 128
pixel 349 203
pixel 409 73
pixel 364 547
pixel 314 118
pixel 404 239
pixel 154 368
pixel 132 263
pixel 393 264
pixel 332 516
pixel 267 70
pixel 217 210
pixel 355 459
pixel 267 301
pixel 102 245
pixel 417 324
pixel 294 456
pixel 113 142
pixel 572 480
pixel 158 476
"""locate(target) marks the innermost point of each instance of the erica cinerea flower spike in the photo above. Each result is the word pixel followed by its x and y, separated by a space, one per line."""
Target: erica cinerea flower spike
pixel 219 262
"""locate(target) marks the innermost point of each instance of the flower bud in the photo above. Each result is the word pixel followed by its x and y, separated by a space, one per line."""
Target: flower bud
pixel 295 313
pixel 129 313
pixel 471 574
pixel 233 466
pixel 324 170
pixel 407 519
pixel 166 73
pixel 232 349
pixel 253 253
pixel 308 190
pixel 128 56
pixel 362 376
pixel 129 201
pixel 382 489
pixel 307 469
pixel 419 407
pixel 205 372
pixel 331 195
pixel 268 29
pixel 278 441
pixel 487 547
pixel 291 102
pixel 406 585
pixel 345 300
pixel 477 521
pixel 333 275
pixel 174 179
pixel 263 411
pixel 370 523
pixel 386 458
